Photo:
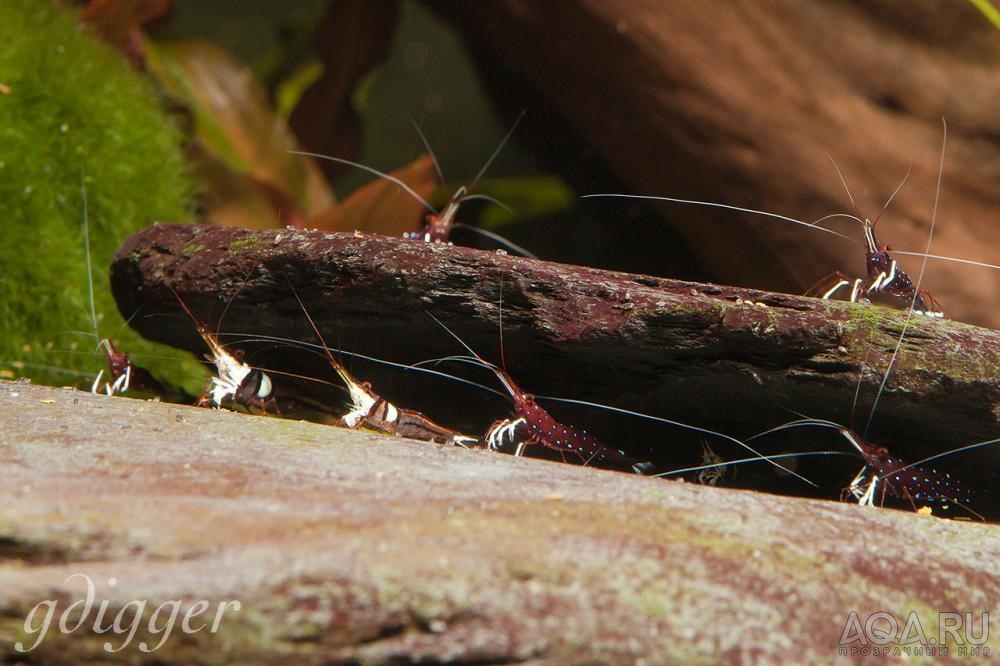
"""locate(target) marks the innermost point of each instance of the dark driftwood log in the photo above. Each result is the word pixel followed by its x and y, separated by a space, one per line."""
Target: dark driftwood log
pixel 729 359
pixel 740 103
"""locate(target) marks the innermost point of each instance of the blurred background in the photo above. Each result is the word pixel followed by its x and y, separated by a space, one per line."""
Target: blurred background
pixel 737 103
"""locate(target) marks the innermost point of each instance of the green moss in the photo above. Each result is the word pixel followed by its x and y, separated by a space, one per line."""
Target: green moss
pixel 867 317
pixel 74 114
pixel 192 249
pixel 250 240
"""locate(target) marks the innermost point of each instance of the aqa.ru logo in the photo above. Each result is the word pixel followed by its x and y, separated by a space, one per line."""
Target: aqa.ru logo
pixel 879 630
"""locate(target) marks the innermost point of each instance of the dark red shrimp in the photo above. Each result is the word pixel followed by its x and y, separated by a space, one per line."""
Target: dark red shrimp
pixel 885 276
pixel 885 475
pixel 534 425
pixel 883 273
pixel 438 225
pixel 119 370
pixel 125 375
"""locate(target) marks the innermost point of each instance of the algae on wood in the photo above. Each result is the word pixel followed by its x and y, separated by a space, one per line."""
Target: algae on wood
pixel 729 359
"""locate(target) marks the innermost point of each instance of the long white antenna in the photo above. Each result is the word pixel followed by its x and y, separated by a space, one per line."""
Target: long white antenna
pixel 358 165
pixel 981 264
pixel 712 204
pixel 916 288
pixel 427 147
pixel 843 182
pixel 496 152
pixel 86 246
pixel 894 193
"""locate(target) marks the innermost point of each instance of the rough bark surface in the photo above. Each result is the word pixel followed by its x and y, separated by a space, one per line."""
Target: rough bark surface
pixel 741 102
pixel 732 360
pixel 344 547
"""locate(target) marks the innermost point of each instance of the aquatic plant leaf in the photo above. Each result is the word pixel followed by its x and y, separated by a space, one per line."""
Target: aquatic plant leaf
pixel 119 22
pixel 382 206
pixel 528 198
pixel 236 125
pixel 351 40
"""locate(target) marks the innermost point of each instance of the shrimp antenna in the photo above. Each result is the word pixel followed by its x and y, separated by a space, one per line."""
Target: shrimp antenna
pixel 948 453
pixel 661 419
pixel 712 204
pixel 54 369
pixel 503 359
pixel 843 182
pixel 812 423
pixel 427 147
pixel 486 197
pixel 861 379
pixel 799 423
pixel 895 192
pixel 501 374
pixel 981 264
pixel 357 165
pixel 314 348
pixel 86 245
pixel 500 240
pixel 337 365
pixel 243 283
pixel 197 323
pixel 727 463
pixel 496 152
pixel 467 348
pixel 815 223
pixel 920 277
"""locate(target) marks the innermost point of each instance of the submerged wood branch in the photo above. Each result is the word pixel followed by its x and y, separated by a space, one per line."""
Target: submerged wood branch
pixel 729 359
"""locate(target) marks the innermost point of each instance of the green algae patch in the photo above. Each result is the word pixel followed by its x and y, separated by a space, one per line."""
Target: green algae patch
pixel 74 117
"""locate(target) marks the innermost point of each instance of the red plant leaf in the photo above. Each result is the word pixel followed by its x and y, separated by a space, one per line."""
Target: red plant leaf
pixel 382 206
pixel 119 22
pixel 351 40
pixel 240 200
pixel 244 146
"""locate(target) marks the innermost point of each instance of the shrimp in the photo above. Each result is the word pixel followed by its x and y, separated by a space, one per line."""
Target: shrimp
pixel 236 381
pixel 124 374
pixel 884 475
pixel 368 409
pixel 883 274
pixel 438 225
